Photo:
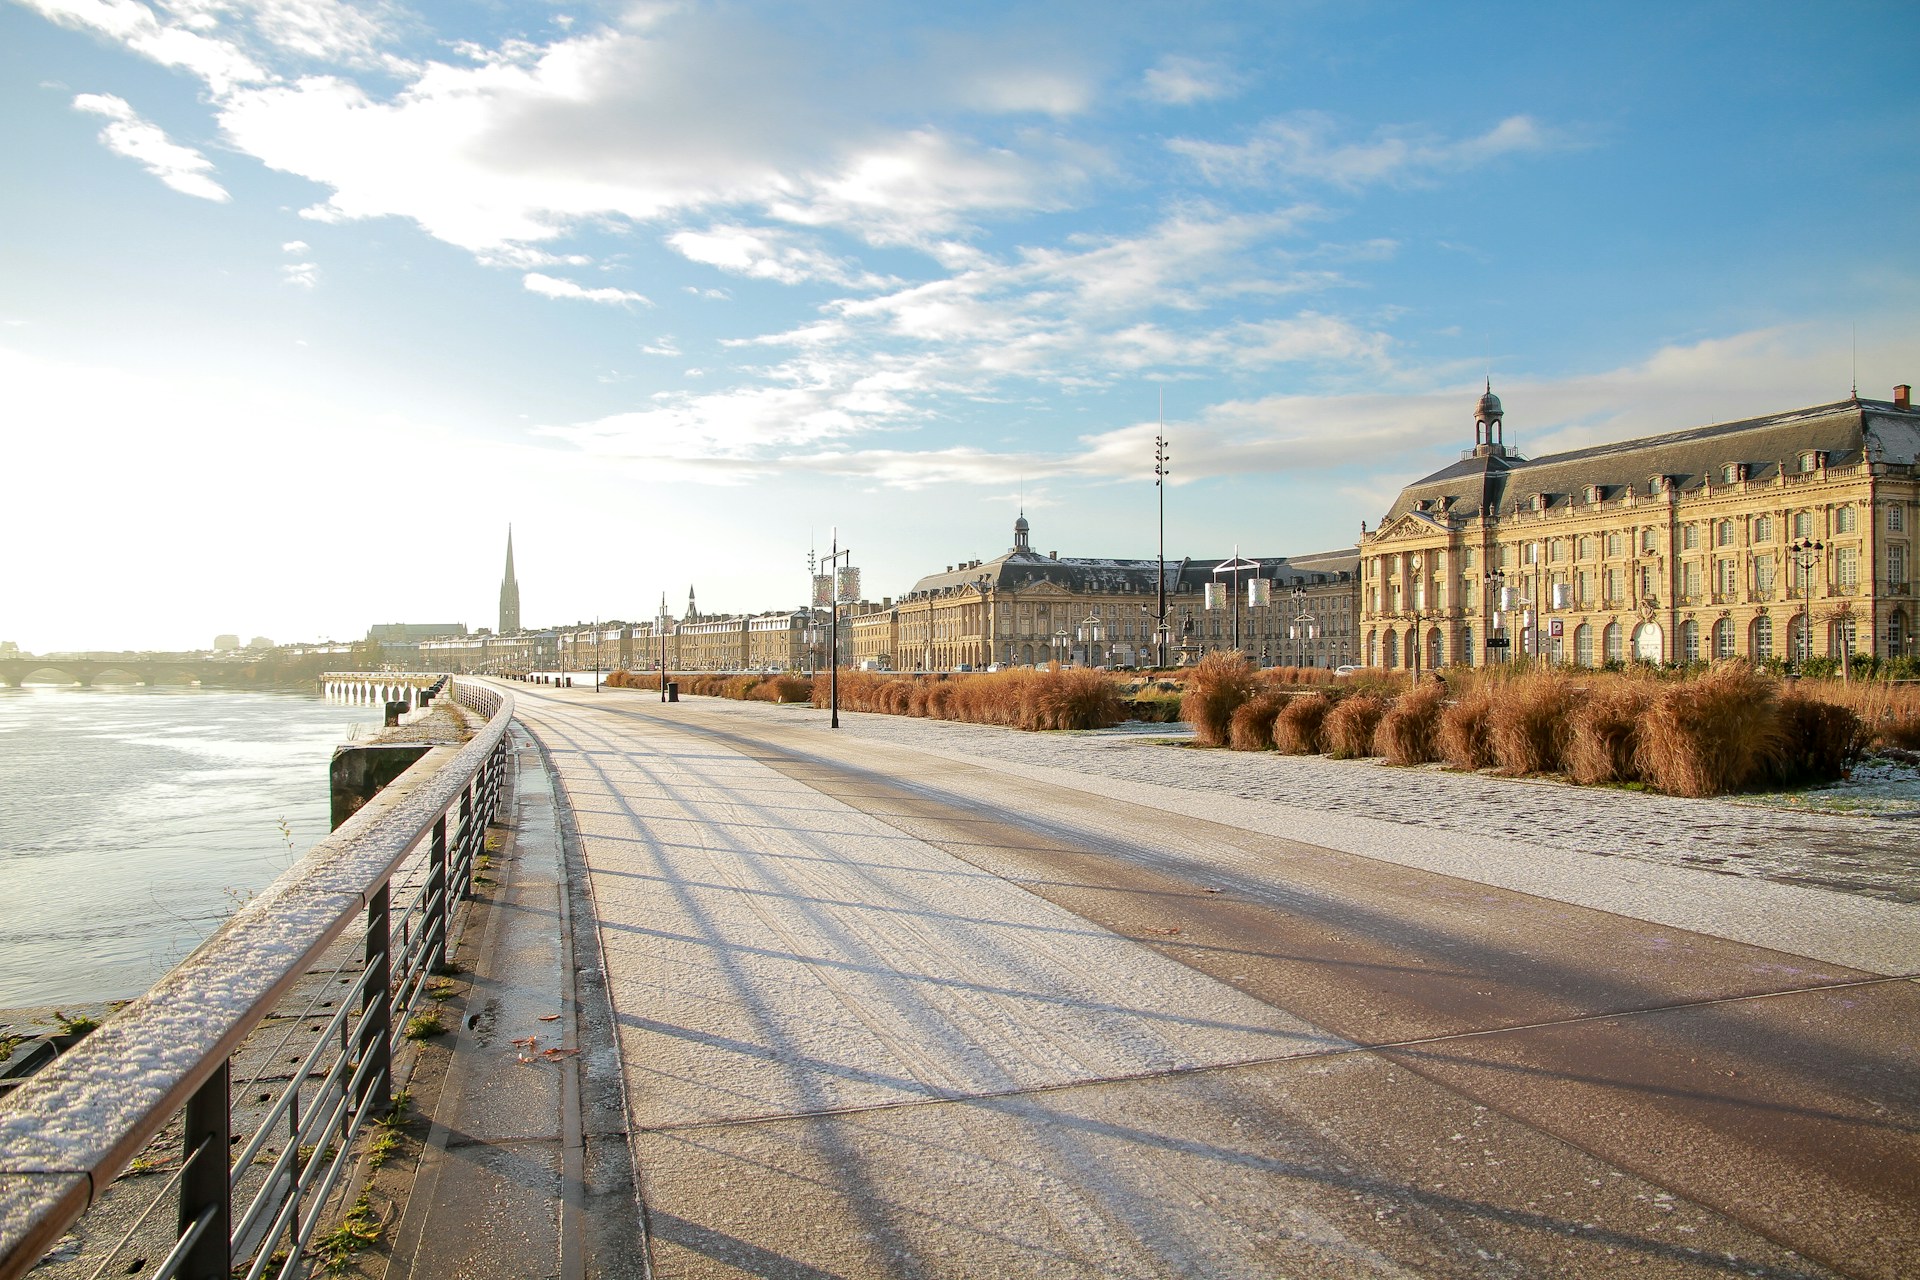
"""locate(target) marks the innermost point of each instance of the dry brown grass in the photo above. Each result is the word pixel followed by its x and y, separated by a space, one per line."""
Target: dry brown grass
pixel 1297 729
pixel 1603 741
pixel 1348 730
pixel 1713 735
pixel 1251 727
pixel 1296 677
pixel 1890 713
pixel 1408 732
pixel 1528 729
pixel 1070 699
pixel 1216 686
pixel 1820 741
pixel 1464 738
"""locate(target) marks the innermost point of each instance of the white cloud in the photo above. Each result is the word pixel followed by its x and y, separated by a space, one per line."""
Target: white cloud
pixel 305 275
pixel 133 24
pixel 1303 148
pixel 664 347
pixel 145 143
pixel 553 287
pixel 294 246
pixel 769 253
pixel 1181 81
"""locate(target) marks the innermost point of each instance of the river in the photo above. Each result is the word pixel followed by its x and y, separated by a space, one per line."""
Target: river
pixel 134 820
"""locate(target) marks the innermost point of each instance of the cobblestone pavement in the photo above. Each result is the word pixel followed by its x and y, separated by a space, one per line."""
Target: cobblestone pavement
pixel 1875 857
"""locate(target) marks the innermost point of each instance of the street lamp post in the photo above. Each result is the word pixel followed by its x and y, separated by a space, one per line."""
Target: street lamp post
pixel 1060 639
pixel 1160 472
pixel 834 558
pixel 1303 629
pixel 661 624
pixel 1803 555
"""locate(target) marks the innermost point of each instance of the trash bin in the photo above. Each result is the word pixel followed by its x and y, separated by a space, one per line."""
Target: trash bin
pixel 569 682
pixel 673 691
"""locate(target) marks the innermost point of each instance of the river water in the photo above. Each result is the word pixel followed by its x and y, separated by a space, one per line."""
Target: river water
pixel 133 821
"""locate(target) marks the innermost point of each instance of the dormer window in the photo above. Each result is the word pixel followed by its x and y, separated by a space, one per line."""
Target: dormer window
pixel 1591 494
pixel 1656 485
pixel 1734 472
pixel 1812 460
pixel 1539 502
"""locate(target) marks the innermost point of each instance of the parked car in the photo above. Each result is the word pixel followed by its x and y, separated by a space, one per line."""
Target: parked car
pixel 1341 673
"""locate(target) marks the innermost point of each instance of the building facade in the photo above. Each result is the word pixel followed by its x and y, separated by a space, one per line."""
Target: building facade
pixel 1785 536
pixel 1026 609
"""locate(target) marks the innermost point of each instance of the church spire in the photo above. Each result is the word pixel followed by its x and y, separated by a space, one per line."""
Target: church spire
pixel 509 593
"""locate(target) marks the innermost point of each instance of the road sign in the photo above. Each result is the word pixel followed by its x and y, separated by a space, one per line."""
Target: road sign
pixel 1499 642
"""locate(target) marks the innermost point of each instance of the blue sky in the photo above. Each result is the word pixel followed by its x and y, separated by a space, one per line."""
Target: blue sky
pixel 301 301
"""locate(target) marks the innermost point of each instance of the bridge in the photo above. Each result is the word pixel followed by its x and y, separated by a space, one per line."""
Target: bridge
pixel 89 672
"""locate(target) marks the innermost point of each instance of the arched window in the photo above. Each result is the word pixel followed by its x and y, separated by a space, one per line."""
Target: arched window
pixel 1614 642
pixel 1467 655
pixel 1799 638
pixel 1583 645
pixel 1723 646
pixel 1690 640
pixel 1763 529
pixel 1390 649
pixel 1436 650
pixel 1762 648
pixel 1723 535
pixel 1897 633
pixel 1840 641
pixel 1413 647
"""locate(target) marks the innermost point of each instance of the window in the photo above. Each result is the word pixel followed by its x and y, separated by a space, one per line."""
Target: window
pixel 1690 578
pixel 1723 638
pixel 1690 640
pixel 1583 549
pixel 1466 645
pixel 1843 519
pixel 1615 642
pixel 1583 645
pixel 1763 575
pixel 1616 585
pixel 1763 529
pixel 1649 540
pixel 1557 550
pixel 1896 517
pixel 1762 638
pixel 1583 587
pixel 1615 545
pixel 1592 494
pixel 1466 557
pixel 1690 537
pixel 1897 565
pixel 1803 576
pixel 1847 565
pixel 1506 557
pixel 1727 573
pixel 1809 462
pixel 1647 583
pixel 1803 524
pixel 1733 472
pixel 1723 534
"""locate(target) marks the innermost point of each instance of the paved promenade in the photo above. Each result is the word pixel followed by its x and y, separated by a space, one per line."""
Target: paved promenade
pixel 917 999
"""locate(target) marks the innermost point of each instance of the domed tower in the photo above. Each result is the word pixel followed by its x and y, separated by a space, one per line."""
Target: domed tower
pixel 1021 530
pixel 1489 435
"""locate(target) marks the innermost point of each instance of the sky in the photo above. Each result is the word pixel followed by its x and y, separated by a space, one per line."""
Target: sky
pixel 303 302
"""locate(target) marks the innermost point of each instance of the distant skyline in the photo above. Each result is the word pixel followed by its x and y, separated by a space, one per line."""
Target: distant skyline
pixel 302 302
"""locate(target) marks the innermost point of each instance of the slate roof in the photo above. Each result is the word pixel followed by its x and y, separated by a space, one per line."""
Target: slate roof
pixel 1846 431
pixel 1019 570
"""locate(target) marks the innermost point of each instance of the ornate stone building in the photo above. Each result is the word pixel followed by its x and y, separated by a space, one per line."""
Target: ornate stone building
pixel 1789 535
pixel 1026 609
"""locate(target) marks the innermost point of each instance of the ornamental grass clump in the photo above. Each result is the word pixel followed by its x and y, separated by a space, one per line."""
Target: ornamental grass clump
pixel 1820 741
pixel 1529 726
pixel 1074 698
pixel 1409 731
pixel 1250 728
pixel 1215 689
pixel 1464 737
pixel 1349 728
pixel 1603 744
pixel 1713 735
pixel 1297 729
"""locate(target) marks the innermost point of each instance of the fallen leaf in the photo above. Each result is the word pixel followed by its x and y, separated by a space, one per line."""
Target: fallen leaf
pixel 548 1017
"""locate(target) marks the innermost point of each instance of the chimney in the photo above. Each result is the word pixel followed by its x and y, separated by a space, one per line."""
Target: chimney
pixel 1903 396
pixel 1053 555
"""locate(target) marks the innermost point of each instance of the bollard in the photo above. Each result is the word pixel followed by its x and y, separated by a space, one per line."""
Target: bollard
pixel 394 711
pixel 673 691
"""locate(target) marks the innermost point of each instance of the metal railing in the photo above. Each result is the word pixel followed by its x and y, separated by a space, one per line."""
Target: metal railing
pixel 243 1206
